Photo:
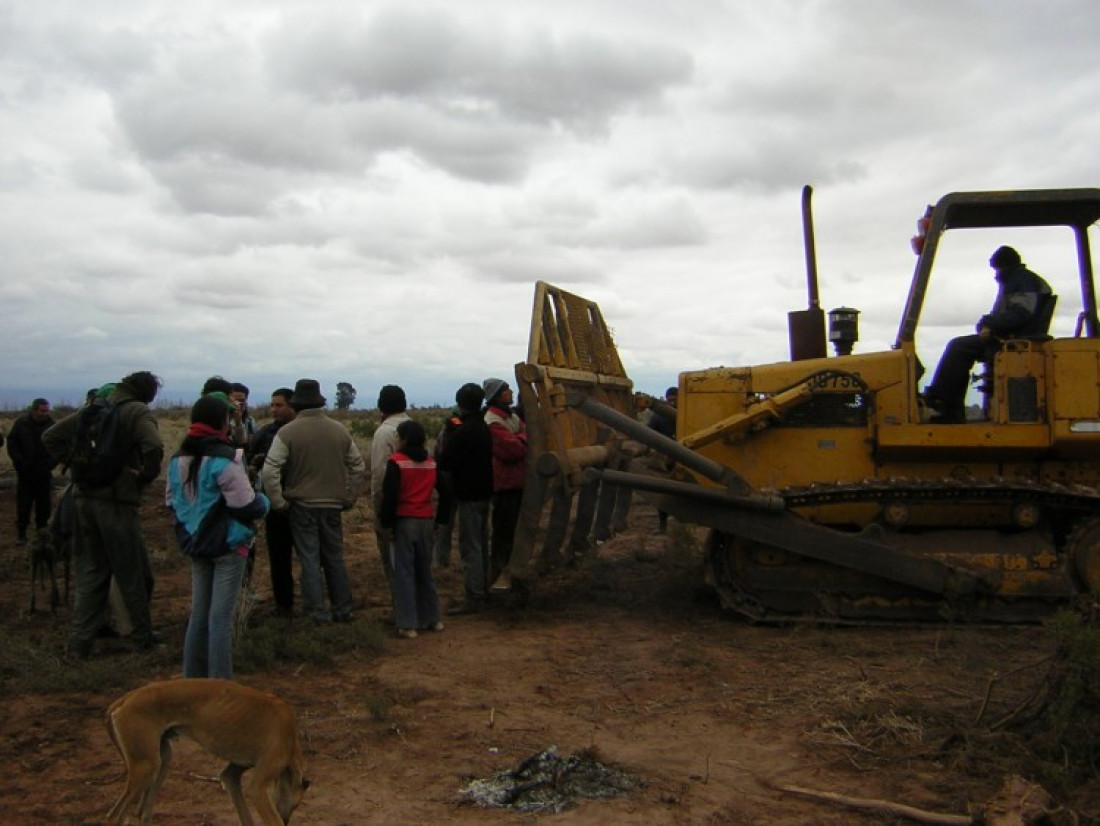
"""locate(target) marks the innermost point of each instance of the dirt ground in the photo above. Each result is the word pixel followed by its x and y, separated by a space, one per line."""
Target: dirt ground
pixel 623 653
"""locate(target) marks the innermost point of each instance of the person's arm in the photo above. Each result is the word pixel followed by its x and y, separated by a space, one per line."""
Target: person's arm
pixel 391 491
pixel 443 504
pixel 15 445
pixel 356 468
pixel 149 446
pixel 508 447
pixel 244 503
pixel 271 475
pixel 1017 312
pixel 168 499
pixel 57 440
pixel 381 447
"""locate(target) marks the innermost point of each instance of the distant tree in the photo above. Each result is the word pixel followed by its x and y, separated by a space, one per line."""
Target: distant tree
pixel 345 395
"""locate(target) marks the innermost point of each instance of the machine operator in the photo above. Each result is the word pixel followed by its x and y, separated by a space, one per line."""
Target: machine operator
pixel 1020 310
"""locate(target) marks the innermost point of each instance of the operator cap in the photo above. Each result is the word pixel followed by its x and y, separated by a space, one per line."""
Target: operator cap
pixel 1004 258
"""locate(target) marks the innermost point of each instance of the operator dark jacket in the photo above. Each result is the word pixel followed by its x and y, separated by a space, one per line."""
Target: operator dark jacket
pixel 140 440
pixel 28 454
pixel 1016 310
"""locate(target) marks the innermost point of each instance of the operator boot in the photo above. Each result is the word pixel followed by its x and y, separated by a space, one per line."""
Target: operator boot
pixel 950 415
pixel 932 399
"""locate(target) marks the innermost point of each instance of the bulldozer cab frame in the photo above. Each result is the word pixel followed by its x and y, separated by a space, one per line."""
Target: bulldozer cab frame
pixel 1077 209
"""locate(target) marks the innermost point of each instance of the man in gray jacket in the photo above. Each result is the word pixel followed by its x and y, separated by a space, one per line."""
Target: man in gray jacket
pixel 314 469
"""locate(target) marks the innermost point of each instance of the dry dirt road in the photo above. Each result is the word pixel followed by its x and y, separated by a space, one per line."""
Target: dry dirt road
pixel 623 654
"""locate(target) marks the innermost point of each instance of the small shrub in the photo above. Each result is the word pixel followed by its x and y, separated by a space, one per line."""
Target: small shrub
pixel 1063 729
pixel 275 642
pixel 363 428
pixel 378 705
pixel 35 665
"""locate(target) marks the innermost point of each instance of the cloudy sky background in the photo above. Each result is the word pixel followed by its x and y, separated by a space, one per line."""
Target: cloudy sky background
pixel 368 192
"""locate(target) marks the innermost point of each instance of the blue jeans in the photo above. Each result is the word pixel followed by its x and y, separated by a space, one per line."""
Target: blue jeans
pixel 319 539
pixel 415 601
pixel 215 585
pixel 473 547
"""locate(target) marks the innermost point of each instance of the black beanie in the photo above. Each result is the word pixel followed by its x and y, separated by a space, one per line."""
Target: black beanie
pixel 1004 258
pixel 391 399
pixel 469 397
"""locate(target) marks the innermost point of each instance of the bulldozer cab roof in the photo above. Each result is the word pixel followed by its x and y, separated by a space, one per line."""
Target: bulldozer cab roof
pixel 1077 209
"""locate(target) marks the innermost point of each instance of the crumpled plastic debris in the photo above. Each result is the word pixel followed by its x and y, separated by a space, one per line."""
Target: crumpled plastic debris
pixel 547 782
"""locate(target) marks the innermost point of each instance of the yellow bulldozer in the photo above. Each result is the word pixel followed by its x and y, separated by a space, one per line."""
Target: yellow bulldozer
pixel 828 492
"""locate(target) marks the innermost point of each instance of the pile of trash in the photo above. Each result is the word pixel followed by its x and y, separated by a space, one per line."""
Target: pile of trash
pixel 547 782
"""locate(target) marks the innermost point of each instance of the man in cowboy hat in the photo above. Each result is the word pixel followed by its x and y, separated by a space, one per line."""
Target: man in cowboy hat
pixel 314 470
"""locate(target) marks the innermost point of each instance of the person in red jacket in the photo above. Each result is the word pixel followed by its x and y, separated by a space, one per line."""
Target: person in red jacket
pixel 509 475
pixel 407 516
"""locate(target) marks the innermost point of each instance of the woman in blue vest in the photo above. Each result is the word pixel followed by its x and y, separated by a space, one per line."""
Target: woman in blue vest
pixel 215 508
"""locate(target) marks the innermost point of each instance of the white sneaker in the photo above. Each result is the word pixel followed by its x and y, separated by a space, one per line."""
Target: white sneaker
pixel 407 633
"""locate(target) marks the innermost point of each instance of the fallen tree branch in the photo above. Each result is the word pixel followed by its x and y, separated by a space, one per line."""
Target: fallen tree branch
pixel 887 806
pixel 996 678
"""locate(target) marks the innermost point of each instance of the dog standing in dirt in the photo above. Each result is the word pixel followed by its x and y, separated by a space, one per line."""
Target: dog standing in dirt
pixel 249 728
pixel 43 559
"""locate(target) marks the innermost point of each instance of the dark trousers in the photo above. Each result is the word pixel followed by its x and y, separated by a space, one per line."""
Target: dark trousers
pixel 107 542
pixel 280 557
pixel 415 601
pixel 505 516
pixel 32 492
pixel 953 373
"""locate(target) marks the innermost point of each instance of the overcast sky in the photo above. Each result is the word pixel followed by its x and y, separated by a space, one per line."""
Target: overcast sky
pixel 368 192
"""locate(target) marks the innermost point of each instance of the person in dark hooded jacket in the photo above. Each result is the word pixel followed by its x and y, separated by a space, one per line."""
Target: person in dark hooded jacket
pixel 1018 311
pixel 33 468
pixel 107 536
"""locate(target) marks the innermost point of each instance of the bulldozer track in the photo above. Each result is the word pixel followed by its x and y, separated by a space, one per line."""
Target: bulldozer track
pixel 1046 495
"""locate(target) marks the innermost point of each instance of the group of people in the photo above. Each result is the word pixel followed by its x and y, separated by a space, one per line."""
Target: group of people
pixel 298 474
pixel 301 471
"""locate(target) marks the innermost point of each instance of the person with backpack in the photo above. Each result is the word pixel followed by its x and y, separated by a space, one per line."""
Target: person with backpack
pixel 113 450
pixel 215 507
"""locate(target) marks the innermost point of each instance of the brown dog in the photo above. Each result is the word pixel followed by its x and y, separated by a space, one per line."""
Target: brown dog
pixel 249 728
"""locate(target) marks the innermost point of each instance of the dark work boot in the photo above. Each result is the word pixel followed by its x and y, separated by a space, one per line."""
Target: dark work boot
pixel 951 415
